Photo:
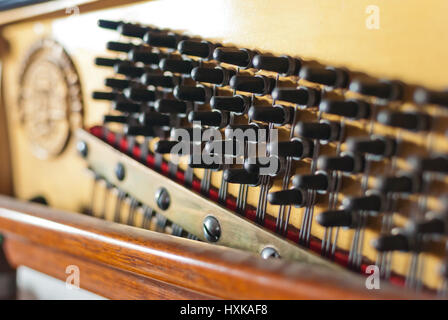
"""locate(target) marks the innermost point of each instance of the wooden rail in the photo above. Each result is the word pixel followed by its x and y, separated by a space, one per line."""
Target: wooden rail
pixel 118 261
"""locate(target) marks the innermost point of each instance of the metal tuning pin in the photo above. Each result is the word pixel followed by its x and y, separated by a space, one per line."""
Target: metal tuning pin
pixel 423 96
pixel 377 146
pixel 126 106
pixel 133 30
pixel 329 76
pixel 318 181
pixel 295 148
pixel 293 196
pixel 238 103
pixel 285 65
pixel 116 119
pixel 107 62
pixel 202 49
pixel 371 202
pixel 324 130
pixel 400 184
pixel 140 94
pixel 301 96
pixel 151 118
pixel 161 39
pixel 189 93
pixel 108 24
pixel 218 75
pixel 353 109
pixel 164 146
pixel 209 118
pixel 344 163
pixel 273 166
pixel 240 176
pixel 170 106
pixel 338 218
pixel 393 242
pixel 158 80
pixel 254 84
pixel 118 84
pixel 383 89
pixel 177 65
pixel 238 57
pixel 128 70
pixel 273 114
pixel 119 46
pixel 437 164
pixel 139 130
pixel 144 55
pixel 109 96
pixel 415 121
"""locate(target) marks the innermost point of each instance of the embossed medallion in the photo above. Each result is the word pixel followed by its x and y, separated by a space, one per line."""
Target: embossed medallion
pixel 50 99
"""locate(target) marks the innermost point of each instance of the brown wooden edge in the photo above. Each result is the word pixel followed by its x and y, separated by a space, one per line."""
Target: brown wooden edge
pixel 49 240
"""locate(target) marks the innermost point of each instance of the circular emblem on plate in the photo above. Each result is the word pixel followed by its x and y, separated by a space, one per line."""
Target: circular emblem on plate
pixel 50 99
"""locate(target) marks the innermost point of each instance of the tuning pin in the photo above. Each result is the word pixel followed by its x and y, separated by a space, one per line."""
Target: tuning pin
pixel 116 119
pixel 126 106
pixel 438 164
pixel 337 218
pixel 170 106
pixel 254 84
pixel 128 70
pixel 209 118
pixel 144 55
pixel 294 197
pixel 285 65
pixel 344 163
pixel 401 184
pixel 177 65
pixel 138 130
pixel 378 146
pixel 324 130
pixel 302 96
pixel 354 109
pixel 423 96
pixel 329 76
pixel 240 176
pixel 140 94
pixel 152 118
pixel 272 166
pixel 274 114
pixel 237 103
pixel 371 202
pixel 164 146
pixel 234 56
pixel 163 40
pixel 392 242
pixel 188 93
pixel 216 75
pixel 415 121
pixel 107 62
pixel 232 130
pixel 158 80
pixel 133 30
pixel 119 46
pixel 109 96
pixel 383 89
pixel 118 84
pixel 318 181
pixel 200 164
pixel 108 24
pixel 295 148
pixel 203 49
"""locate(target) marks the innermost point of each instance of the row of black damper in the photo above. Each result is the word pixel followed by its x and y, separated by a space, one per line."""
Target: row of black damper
pixel 136 97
